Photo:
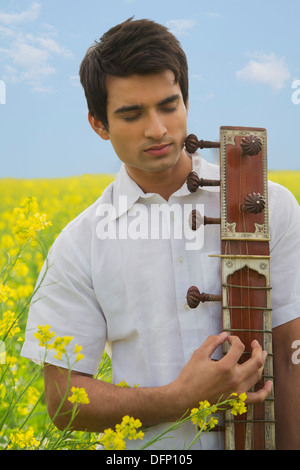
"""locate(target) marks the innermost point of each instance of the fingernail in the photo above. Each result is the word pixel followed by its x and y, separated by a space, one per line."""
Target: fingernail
pixel 223 334
pixel 265 354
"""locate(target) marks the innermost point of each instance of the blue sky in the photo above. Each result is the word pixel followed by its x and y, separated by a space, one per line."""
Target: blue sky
pixel 244 65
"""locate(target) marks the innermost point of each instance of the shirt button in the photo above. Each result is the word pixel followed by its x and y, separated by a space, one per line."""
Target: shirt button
pixel 180 259
pixel 186 307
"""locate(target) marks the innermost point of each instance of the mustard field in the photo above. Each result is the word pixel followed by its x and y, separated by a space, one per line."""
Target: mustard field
pixel 32 214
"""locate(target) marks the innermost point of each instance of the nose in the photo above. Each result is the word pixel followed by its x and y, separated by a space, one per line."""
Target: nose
pixel 155 126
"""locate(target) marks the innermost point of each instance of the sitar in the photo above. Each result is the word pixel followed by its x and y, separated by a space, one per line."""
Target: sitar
pixel 245 300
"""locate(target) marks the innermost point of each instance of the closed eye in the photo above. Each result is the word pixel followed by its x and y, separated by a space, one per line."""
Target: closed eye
pixel 169 110
pixel 135 117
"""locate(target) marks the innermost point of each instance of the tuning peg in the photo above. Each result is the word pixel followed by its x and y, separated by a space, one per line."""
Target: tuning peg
pixel 194 182
pixel 251 144
pixel 192 144
pixel 194 297
pixel 196 220
pixel 254 203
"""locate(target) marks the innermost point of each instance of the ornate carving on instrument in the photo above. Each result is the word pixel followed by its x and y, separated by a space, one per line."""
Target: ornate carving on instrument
pixel 192 144
pixel 254 203
pixel 254 207
pixel 251 144
pixel 194 297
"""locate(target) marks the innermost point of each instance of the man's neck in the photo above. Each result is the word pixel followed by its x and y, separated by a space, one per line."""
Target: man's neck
pixel 166 182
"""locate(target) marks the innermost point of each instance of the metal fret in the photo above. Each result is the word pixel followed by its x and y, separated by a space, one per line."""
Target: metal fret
pixel 248 329
pixel 252 421
pixel 248 307
pixel 247 287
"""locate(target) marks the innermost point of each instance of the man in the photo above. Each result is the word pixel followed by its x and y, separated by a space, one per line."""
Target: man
pixel 109 289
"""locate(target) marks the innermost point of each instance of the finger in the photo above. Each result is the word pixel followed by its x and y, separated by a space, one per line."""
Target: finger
pixel 235 351
pixel 212 343
pixel 253 367
pixel 260 395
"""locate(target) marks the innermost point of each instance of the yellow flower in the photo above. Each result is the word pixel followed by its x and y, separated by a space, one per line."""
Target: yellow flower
pixel 9 324
pixel 5 293
pixel 59 345
pixel 118 442
pixel 77 350
pixel 23 440
pixel 43 335
pixel 213 422
pixel 11 360
pixel 124 384
pixel 126 430
pixel 79 396
pixel 128 427
pixel 25 290
pixel 238 405
pixel 107 439
pixel 243 396
pixel 28 220
pixel 199 415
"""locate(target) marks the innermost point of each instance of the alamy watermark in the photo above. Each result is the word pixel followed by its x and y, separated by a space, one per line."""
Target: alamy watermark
pixel 296 94
pixel 2 352
pixel 296 353
pixel 153 221
pixel 2 92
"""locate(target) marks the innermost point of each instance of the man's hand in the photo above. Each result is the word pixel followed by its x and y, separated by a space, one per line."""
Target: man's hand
pixel 205 379
pixel 201 379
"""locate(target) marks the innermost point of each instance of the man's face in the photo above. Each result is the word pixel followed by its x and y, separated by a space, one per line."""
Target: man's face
pixel 147 120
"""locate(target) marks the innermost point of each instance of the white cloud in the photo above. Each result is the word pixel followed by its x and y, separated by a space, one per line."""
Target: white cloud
pixel 49 44
pixel 182 26
pixel 197 76
pixel 75 80
pixel 30 63
pixel 28 57
pixel 207 97
pixel 266 69
pixel 15 18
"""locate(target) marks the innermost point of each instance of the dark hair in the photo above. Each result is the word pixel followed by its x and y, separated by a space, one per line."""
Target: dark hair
pixel 133 47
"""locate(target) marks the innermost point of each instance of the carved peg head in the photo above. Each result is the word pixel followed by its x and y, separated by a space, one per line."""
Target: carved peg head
pixel 193 297
pixel 254 203
pixel 251 144
pixel 191 143
pixel 195 219
pixel 193 181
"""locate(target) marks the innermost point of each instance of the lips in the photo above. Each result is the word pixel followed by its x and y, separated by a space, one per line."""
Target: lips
pixel 158 150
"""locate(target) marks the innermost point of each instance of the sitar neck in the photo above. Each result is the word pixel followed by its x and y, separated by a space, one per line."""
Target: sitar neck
pixel 245 265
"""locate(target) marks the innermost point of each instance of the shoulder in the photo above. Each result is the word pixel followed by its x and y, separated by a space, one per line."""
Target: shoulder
pixel 284 216
pixel 282 201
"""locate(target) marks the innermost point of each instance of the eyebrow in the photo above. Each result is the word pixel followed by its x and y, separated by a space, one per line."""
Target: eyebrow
pixel 138 107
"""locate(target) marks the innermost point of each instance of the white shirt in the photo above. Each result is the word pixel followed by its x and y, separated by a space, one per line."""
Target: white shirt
pixel 129 295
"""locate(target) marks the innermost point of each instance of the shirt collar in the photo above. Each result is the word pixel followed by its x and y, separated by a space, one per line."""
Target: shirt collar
pixel 126 192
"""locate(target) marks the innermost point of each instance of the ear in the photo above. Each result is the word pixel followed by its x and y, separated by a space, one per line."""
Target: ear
pixel 98 127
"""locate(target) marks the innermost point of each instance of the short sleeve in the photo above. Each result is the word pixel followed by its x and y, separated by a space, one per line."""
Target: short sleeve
pixel 285 254
pixel 66 301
